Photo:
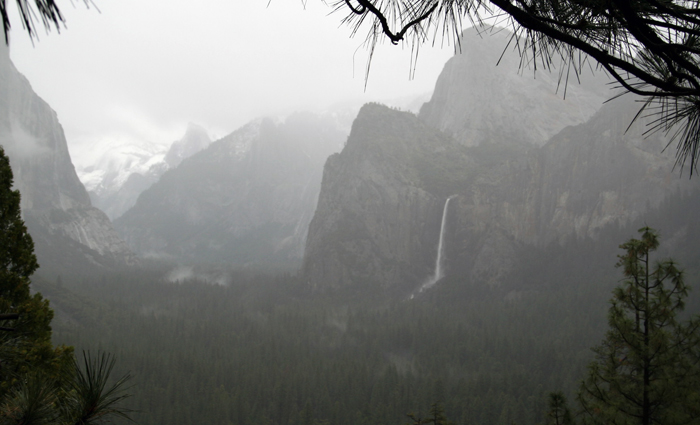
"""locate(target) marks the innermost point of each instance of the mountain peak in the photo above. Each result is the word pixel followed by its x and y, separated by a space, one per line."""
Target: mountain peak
pixel 487 93
pixel 195 139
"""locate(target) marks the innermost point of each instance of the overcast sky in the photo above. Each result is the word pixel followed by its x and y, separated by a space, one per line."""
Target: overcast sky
pixel 143 69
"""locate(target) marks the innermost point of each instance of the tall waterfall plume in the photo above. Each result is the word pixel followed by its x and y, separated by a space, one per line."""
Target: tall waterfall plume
pixel 439 272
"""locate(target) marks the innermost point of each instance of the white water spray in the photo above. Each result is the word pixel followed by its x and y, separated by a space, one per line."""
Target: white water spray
pixel 439 273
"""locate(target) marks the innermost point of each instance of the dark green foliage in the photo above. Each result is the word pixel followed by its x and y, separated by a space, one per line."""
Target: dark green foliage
pixel 30 402
pixel 39 383
pixel 646 370
pixel 436 416
pixel 559 413
pixel 84 395
pixel 17 260
pixel 91 396
pixel 28 347
pixel 261 350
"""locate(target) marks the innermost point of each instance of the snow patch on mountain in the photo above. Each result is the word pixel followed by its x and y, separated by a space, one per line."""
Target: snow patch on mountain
pixel 115 172
pixel 116 162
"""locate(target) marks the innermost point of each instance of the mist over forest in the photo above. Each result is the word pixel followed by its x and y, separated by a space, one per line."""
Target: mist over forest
pixel 448 259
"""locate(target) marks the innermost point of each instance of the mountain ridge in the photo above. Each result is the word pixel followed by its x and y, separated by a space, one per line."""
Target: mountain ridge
pixel 244 200
pixel 531 106
pixel 506 196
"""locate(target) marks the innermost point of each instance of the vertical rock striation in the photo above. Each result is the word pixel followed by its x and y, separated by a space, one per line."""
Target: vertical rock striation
pixel 68 232
pixel 381 203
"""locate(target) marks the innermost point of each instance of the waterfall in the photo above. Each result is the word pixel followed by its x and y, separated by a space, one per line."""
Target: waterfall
pixel 439 273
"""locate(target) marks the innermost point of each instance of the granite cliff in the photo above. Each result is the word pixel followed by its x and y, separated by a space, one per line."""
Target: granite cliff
pixel 486 94
pixel 584 179
pixel 68 232
pixel 381 203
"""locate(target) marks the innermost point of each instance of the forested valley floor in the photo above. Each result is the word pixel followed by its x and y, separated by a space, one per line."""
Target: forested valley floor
pixel 262 349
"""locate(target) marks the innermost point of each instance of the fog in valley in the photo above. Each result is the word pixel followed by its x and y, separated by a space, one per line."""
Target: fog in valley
pixel 259 231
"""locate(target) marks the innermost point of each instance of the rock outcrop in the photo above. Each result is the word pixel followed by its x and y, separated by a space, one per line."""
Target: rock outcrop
pixel 486 94
pixel 67 230
pixel 195 139
pixel 381 202
pixel 586 178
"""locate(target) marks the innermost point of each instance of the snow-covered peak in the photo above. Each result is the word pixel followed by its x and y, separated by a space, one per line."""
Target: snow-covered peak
pixel 116 171
pixel 107 166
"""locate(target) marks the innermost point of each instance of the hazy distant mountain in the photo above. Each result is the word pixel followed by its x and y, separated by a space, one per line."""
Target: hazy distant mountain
pixel 68 232
pixel 381 204
pixel 246 199
pixel 194 140
pixel 481 96
pixel 122 171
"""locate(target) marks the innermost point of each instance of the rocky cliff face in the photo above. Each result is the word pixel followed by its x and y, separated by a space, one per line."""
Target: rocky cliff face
pixel 379 211
pixel 67 230
pixel 484 95
pixel 595 174
pixel 585 178
pixel 246 199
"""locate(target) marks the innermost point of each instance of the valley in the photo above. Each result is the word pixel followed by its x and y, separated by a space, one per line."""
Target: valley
pixel 343 268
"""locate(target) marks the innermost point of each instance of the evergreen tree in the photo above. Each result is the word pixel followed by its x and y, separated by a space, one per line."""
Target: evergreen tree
pixel 436 416
pixel 40 383
pixel 90 397
pixel 646 370
pixel 559 413
pixel 27 347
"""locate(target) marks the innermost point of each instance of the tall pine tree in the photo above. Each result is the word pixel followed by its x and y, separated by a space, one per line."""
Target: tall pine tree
pixel 27 346
pixel 646 370
pixel 558 413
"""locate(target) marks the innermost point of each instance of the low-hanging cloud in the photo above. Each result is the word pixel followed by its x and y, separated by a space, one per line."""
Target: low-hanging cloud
pixel 182 274
pixel 21 144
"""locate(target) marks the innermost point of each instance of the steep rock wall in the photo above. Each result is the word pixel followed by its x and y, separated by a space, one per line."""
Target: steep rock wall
pixel 486 94
pixel 54 202
pixel 378 216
